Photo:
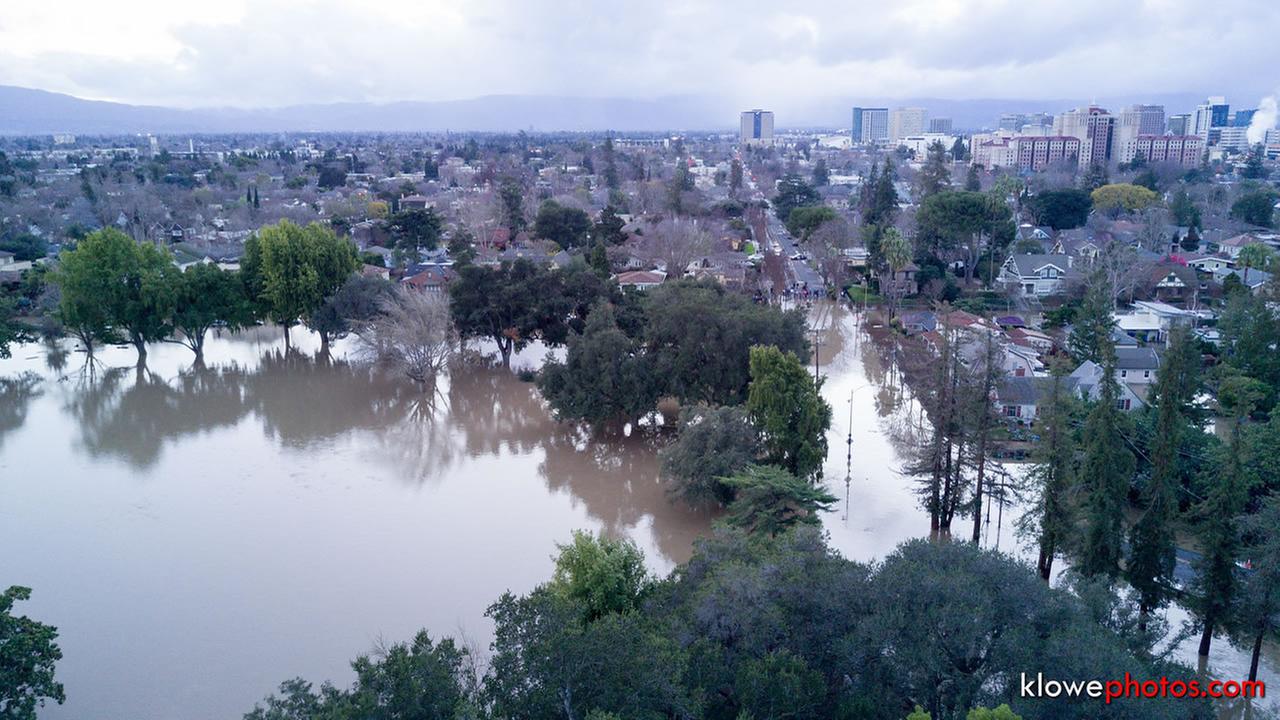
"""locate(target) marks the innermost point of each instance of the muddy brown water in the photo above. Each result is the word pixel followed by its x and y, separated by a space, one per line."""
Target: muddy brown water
pixel 199 535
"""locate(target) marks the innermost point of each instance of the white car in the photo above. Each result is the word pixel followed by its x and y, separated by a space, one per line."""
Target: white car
pixel 799 256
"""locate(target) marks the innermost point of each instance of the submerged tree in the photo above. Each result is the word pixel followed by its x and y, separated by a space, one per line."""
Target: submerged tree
pixel 714 442
pixel 787 405
pixel 769 500
pixel 412 333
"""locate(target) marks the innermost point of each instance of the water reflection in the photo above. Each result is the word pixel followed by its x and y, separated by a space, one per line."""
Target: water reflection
pixel 16 395
pixel 305 401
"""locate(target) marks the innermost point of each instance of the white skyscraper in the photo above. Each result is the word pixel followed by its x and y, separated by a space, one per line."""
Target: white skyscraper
pixel 756 127
pixel 905 121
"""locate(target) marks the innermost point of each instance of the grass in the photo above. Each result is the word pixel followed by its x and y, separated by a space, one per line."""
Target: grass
pixel 859 295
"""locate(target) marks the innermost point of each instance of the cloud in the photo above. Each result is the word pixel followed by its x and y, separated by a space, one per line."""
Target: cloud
pixel 282 52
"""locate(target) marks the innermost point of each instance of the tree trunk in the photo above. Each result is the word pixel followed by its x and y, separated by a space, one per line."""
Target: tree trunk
pixel 504 347
pixel 1206 638
pixel 1045 562
pixel 1257 651
pixel 141 346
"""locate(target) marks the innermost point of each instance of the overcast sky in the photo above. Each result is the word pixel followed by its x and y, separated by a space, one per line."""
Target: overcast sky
pixel 256 53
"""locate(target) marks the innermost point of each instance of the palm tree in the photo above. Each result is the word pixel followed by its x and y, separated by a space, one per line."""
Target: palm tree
pixel 1254 255
pixel 896 249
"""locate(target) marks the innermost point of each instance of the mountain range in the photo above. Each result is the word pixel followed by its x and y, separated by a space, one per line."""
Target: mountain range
pixel 25 111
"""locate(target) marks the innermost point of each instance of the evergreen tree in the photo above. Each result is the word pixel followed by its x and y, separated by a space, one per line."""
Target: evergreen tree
pixel 1215 579
pixel 1105 472
pixel 973 182
pixel 256 204
pixel 1091 331
pixel 1258 608
pixel 787 405
pixel 1051 475
pixel 1151 540
pixel 1253 168
pixel 935 175
pixel 735 176
pixel 1095 177
pixel 821 176
pixel 598 259
pixel 1191 241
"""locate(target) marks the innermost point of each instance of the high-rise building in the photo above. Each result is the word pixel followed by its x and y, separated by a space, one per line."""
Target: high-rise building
pixel 940 125
pixel 870 125
pixel 1180 124
pixel 1233 137
pixel 1012 122
pixel 757 127
pixel 1132 122
pixel 1148 119
pixel 906 121
pixel 1210 115
pixel 1094 126
pixel 1242 118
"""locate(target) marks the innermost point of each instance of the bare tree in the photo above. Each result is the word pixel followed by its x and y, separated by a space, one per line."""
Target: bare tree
pixel 825 246
pixel 676 242
pixel 413 335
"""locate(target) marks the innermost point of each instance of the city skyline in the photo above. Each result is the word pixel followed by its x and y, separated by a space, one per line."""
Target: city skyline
pixel 273 53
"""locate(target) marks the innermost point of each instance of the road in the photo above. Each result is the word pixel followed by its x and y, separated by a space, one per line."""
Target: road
pixel 799 270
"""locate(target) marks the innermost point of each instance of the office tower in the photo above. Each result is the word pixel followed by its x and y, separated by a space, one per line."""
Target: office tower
pixel 870 125
pixel 1094 126
pixel 1242 118
pixel 1012 122
pixel 757 127
pixel 940 125
pixel 1180 124
pixel 906 121
pixel 1145 119
pixel 1208 117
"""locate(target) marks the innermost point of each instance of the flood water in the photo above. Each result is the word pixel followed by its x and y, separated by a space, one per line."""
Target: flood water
pixel 199 535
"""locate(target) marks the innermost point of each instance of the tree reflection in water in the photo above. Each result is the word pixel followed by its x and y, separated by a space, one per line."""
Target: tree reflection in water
pixel 16 395
pixel 304 402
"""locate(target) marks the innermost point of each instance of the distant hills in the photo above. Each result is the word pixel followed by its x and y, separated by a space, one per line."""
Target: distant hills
pixel 25 111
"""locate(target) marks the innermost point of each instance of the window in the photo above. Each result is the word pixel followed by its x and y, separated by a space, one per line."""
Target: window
pixel 1122 404
pixel 1146 373
pixel 1124 373
pixel 1013 411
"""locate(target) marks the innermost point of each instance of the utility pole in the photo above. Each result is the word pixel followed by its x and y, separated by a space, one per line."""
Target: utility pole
pixel 817 345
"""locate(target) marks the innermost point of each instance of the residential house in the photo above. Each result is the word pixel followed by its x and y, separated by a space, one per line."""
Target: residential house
pixel 6 257
pixel 1151 321
pixel 415 202
pixel 1171 282
pixel 1253 279
pixel 1136 365
pixel 914 323
pixel 1077 243
pixel 375 271
pixel 1036 275
pixel 432 279
pixel 640 279
pixel 1087 381
pixel 902 280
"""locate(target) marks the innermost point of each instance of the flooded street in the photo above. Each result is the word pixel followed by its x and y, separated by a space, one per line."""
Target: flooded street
pixel 199 535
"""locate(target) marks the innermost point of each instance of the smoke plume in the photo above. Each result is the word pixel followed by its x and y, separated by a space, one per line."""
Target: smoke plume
pixel 1263 120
